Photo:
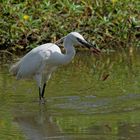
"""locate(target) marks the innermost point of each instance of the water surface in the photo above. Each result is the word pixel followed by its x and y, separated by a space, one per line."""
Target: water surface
pixel 92 98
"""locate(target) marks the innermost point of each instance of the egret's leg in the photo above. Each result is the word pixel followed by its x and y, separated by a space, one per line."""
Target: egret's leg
pixel 38 79
pixel 43 90
pixel 46 77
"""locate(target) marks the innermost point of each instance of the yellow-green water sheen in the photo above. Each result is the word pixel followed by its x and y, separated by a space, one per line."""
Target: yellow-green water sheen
pixel 92 98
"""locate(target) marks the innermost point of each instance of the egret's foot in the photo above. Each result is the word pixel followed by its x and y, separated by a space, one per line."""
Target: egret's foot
pixel 42 101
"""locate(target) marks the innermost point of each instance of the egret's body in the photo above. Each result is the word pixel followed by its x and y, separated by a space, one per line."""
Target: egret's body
pixel 41 61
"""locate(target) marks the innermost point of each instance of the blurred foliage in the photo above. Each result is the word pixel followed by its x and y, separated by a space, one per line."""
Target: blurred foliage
pixel 27 23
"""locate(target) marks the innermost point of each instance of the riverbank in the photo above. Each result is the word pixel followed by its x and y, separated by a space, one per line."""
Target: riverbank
pixel 111 24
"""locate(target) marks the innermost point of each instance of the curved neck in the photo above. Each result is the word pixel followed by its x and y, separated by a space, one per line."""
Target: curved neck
pixel 70 51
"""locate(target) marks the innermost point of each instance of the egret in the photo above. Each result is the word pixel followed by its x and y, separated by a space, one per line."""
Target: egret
pixel 41 61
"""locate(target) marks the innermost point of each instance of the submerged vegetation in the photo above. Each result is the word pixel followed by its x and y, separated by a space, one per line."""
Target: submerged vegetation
pixel 110 23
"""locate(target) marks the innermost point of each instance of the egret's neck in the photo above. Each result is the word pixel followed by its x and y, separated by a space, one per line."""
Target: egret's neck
pixel 70 51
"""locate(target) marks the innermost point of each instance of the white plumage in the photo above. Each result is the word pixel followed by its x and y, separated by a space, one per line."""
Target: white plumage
pixel 35 61
pixel 41 61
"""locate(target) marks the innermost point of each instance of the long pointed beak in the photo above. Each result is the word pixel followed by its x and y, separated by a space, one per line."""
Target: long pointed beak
pixel 89 46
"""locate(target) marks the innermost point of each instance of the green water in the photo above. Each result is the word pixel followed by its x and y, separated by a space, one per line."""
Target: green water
pixel 92 98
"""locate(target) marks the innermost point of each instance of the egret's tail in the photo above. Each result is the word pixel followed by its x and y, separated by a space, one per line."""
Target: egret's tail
pixel 14 68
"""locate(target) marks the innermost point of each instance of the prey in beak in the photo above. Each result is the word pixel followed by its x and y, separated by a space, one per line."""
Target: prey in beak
pixel 89 46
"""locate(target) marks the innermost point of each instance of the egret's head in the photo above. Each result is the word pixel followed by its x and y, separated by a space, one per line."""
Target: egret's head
pixel 77 39
pixel 74 38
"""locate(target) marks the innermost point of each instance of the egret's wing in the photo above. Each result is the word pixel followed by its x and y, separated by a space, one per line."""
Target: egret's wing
pixel 29 65
pixel 34 62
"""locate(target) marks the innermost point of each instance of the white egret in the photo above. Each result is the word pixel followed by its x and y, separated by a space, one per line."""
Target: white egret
pixel 41 61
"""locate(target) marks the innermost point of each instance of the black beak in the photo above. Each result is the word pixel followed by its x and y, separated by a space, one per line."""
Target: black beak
pixel 89 46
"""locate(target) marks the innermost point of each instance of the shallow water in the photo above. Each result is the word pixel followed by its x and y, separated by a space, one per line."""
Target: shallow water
pixel 92 98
